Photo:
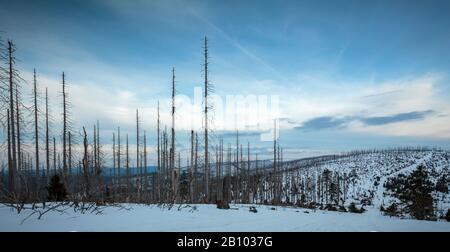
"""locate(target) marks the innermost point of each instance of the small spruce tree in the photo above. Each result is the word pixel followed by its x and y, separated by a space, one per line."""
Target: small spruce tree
pixel 417 194
pixel 56 189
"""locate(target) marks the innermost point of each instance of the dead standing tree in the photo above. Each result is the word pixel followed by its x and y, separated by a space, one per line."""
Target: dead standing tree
pixel 36 133
pixel 192 174
pixel 127 164
pixel 275 184
pixel 145 167
pixel 36 127
pixel 173 171
pixel 138 166
pixel 196 187
pixel 207 89
pixel 86 165
pixel 13 152
pixel 65 127
pixel 158 168
pixel 47 145
pixel 118 162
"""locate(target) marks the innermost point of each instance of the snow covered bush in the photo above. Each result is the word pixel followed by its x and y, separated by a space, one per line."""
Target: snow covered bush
pixel 391 210
pixel 352 208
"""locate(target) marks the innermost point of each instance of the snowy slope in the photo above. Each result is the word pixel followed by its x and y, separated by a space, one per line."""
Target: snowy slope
pixel 366 173
pixel 209 218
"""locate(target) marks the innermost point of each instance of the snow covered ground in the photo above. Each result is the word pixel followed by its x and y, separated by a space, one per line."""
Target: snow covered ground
pixel 209 218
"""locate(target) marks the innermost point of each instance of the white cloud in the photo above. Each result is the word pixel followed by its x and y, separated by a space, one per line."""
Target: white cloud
pixel 387 98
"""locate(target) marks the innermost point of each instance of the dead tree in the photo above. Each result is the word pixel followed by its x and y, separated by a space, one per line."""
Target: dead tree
pixel 158 168
pixel 274 177
pixel 195 169
pixel 247 183
pixel 206 94
pixel 138 167
pixel 145 165
pixel 118 156
pixel 69 156
pixel 13 164
pixel 172 142
pixel 191 170
pixel 127 163
pixel 36 128
pixel 228 179
pixel 54 155
pixel 114 162
pixel 18 127
pixel 47 147
pixel 10 167
pixel 86 164
pixel 98 169
pixel 94 150
pixel 164 158
pixel 65 126
pixel 237 174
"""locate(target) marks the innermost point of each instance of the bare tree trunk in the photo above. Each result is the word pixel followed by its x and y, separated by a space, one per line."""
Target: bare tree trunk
pixel 237 175
pixel 167 175
pixel 158 172
pixel 172 142
pixel 219 173
pixel 248 173
pixel 165 183
pixel 191 170
pixel 216 175
pixel 36 135
pixel 280 174
pixel 257 180
pixel 11 173
pixel 206 121
pixel 228 183
pixel 114 162
pixel 177 179
pixel 274 177
pixel 145 165
pixel 138 166
pixel 70 160
pixel 13 167
pixel 19 148
pixel 241 177
pixel 118 157
pixel 127 167
pixel 86 164
pixel 94 152
pixel 54 154
pixel 99 168
pixel 64 125
pixel 195 169
pixel 47 147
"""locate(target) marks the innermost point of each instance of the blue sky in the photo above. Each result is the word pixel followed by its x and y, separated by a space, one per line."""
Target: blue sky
pixel 349 74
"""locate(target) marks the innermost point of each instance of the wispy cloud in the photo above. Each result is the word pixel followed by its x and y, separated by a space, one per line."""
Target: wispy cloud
pixel 329 122
pixel 380 120
pixel 326 122
pixel 236 43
